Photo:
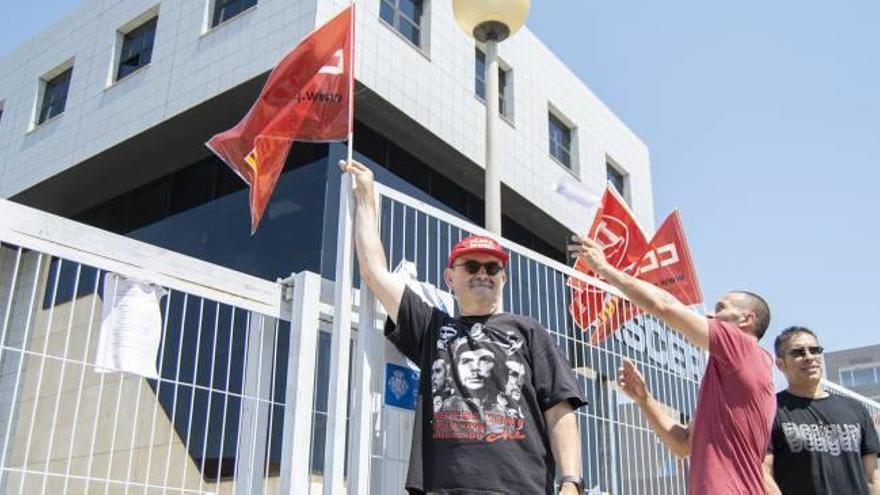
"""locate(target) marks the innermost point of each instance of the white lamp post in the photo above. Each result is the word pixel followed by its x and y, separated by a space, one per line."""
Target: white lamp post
pixel 491 21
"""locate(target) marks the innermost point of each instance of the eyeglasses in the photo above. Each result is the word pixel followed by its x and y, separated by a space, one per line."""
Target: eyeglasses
pixel 800 352
pixel 473 267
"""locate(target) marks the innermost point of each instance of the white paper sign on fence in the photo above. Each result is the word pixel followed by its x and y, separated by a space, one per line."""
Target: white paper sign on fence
pixel 131 327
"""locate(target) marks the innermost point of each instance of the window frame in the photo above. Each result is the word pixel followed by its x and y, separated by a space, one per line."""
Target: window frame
pixel 124 35
pixel 554 144
pixel 850 382
pixel 612 166
pixel 47 83
pixel 505 88
pixel 213 17
pixel 397 13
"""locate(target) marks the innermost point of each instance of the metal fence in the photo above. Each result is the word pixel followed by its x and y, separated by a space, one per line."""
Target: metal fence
pixel 214 416
pixel 872 406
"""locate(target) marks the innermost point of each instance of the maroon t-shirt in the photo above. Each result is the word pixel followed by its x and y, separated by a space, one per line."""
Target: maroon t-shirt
pixel 735 410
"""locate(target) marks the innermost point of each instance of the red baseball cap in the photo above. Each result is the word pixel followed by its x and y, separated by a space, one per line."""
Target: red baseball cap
pixel 477 244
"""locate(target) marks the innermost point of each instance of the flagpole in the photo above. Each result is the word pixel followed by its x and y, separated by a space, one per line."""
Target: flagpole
pixel 351 84
pixel 334 454
pixel 366 357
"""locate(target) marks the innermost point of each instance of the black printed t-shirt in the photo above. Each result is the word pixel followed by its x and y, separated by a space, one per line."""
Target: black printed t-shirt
pixel 818 444
pixel 484 385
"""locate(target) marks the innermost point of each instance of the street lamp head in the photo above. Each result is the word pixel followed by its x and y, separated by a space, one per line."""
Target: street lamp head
pixel 490 20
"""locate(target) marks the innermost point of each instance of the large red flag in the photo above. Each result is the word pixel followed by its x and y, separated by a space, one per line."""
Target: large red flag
pixel 668 264
pixel 665 262
pixel 616 228
pixel 307 98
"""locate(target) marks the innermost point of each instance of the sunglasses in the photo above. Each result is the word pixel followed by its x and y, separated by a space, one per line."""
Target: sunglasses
pixel 800 352
pixel 473 267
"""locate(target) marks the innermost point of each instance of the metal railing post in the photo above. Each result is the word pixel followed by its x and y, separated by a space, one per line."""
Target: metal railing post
pixel 368 344
pixel 300 391
pixel 340 347
pixel 254 425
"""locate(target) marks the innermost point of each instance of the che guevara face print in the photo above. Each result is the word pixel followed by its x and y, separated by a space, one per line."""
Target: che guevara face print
pixel 477 381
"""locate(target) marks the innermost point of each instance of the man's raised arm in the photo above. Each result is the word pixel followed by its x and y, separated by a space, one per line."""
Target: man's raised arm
pixel 387 287
pixel 675 435
pixel 648 297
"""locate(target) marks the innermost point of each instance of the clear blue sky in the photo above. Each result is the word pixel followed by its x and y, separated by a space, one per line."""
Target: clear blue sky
pixel 763 122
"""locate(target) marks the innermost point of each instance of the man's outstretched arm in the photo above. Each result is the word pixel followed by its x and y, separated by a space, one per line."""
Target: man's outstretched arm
pixel 387 287
pixel 648 297
pixel 676 436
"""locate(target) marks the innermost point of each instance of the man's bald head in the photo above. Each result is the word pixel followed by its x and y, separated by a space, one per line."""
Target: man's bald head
pixel 756 304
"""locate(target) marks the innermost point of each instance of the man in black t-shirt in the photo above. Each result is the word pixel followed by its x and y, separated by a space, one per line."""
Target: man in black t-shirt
pixel 496 412
pixel 820 443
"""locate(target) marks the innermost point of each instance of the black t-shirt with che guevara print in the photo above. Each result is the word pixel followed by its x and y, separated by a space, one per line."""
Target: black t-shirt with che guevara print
pixel 484 384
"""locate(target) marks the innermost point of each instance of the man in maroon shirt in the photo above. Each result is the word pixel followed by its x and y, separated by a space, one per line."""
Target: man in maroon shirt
pixel 731 428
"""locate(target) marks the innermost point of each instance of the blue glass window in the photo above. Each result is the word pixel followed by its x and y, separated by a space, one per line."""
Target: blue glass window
pixel 227 9
pixel 560 141
pixel 55 96
pixel 405 16
pixel 480 81
pixel 137 48
pixel 616 178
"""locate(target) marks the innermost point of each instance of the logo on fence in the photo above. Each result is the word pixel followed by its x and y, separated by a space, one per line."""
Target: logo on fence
pixel 401 386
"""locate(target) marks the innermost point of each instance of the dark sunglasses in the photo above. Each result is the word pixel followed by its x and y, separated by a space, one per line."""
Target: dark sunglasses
pixel 802 351
pixel 473 267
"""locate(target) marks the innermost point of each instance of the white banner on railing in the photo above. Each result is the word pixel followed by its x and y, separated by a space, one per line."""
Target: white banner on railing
pixel 131 327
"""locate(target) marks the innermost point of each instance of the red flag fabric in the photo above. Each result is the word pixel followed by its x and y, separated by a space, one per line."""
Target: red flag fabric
pixel 616 228
pixel 306 98
pixel 668 264
pixel 665 262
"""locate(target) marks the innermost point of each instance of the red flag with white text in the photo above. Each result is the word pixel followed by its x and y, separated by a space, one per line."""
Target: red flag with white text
pixel 665 262
pixel 306 98
pixel 668 264
pixel 624 241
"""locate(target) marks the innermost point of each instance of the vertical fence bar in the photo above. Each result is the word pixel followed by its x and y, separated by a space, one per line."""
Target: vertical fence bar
pixel 271 403
pixel 157 406
pixel 39 386
pixel 300 386
pixel 210 399
pixel 253 429
pixel 82 379
pixel 17 381
pixel 192 401
pixel 60 390
pixel 176 384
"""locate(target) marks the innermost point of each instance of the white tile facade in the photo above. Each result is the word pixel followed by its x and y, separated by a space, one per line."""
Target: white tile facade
pixel 434 86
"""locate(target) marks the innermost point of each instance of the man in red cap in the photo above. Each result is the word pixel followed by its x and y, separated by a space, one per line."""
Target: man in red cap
pixel 476 433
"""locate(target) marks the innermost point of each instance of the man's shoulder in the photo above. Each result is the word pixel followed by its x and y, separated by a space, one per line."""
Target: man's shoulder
pixel 529 328
pixel 846 402
pixel 786 399
pixel 519 320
